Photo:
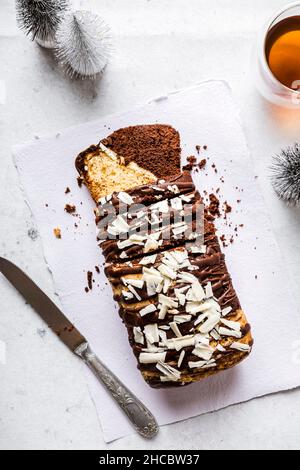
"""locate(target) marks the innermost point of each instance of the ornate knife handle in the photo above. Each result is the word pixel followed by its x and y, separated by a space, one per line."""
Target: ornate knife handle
pixel 141 418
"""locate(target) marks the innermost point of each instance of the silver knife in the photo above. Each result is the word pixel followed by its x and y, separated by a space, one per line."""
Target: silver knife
pixel 141 418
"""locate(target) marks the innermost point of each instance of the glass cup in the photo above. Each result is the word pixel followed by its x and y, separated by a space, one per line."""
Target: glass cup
pixel 268 85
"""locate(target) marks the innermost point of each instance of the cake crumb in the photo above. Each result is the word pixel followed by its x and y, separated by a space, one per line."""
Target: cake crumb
pixel 70 209
pixel 192 161
pixel 214 206
pixel 57 232
pixel 202 163
pixel 90 279
pixel 67 190
pixel 227 208
pixel 214 168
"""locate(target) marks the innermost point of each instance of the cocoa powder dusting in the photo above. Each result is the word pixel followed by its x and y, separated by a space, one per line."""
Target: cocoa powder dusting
pixel 154 147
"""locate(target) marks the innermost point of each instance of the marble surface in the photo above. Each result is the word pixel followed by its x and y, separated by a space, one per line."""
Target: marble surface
pixel 160 45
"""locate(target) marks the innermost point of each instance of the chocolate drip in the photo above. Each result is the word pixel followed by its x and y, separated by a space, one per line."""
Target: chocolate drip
pixel 159 190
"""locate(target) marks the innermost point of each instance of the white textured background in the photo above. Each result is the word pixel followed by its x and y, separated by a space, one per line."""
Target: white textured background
pixel 160 45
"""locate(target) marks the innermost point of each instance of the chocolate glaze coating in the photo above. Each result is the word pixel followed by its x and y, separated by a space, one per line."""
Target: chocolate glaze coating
pixel 208 267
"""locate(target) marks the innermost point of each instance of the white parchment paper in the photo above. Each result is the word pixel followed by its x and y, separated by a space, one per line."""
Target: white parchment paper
pixel 204 115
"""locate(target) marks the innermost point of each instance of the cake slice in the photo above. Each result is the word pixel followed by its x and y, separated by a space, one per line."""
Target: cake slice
pixel 102 170
pixel 130 157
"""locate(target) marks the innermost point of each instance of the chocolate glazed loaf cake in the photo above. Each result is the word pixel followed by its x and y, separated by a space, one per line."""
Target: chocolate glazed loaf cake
pixel 169 276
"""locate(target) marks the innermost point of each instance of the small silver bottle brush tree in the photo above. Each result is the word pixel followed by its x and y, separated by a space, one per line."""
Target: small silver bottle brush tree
pixel 285 175
pixel 81 40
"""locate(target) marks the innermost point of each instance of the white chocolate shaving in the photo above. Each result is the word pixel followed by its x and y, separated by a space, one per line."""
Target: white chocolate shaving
pixel 226 311
pixel 179 343
pixel 151 333
pixel 176 203
pixel 210 323
pixel 228 332
pixel 179 255
pixel 203 351
pixel 148 260
pixel 152 358
pixel 161 206
pixel 166 271
pixel 132 240
pixel 182 318
pixel 186 198
pixel 127 295
pixel 181 229
pixel 132 289
pixel 240 346
pixel 233 325
pixel 196 292
pixel 146 310
pixel 133 282
pixel 187 277
pixel 173 189
pixel 181 297
pixel 163 310
pixel 215 335
pixel 168 301
pixel 180 359
pixel 151 245
pixel 175 329
pixel 170 372
pixel 125 197
pixel 138 335
pixel 208 290
pixel 198 249
pixel 202 364
pixel 200 319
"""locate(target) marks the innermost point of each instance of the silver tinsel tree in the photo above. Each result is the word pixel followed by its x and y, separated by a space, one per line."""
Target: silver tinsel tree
pixel 286 175
pixel 83 44
pixel 40 19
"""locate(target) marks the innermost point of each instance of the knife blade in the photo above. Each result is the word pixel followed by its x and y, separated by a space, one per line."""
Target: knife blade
pixel 41 303
pixel 140 417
